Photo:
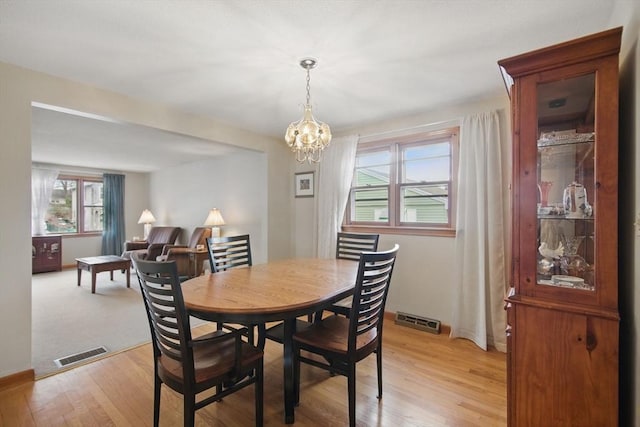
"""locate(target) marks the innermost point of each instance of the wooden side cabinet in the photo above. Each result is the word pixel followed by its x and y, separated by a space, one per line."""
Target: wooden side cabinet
pixel 562 311
pixel 46 253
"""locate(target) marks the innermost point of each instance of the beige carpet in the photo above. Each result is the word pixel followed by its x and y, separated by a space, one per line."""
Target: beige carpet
pixel 68 319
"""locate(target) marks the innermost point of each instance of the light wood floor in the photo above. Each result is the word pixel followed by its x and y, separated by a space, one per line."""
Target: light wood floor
pixel 429 380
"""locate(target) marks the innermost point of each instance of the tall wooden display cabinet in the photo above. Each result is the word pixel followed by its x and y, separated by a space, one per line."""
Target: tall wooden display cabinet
pixel 562 311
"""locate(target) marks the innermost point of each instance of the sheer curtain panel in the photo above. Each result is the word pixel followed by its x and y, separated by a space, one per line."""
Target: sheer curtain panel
pixel 334 182
pixel 113 234
pixel 42 182
pixel 480 248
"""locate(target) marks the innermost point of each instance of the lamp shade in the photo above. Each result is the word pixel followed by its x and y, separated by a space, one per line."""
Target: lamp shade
pixel 214 218
pixel 146 217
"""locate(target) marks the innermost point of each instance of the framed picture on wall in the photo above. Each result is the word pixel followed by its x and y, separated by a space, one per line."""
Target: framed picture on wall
pixel 304 184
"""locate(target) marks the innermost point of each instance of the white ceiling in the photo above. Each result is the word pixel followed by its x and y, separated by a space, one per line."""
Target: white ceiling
pixel 238 61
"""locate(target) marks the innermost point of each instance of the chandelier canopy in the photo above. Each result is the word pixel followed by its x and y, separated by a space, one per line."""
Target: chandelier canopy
pixel 308 137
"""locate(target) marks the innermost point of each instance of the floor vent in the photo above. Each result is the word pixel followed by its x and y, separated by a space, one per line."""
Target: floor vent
pixel 417 322
pixel 79 357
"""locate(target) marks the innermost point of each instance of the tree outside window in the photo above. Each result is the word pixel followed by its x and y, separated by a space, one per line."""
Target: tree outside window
pixel 76 212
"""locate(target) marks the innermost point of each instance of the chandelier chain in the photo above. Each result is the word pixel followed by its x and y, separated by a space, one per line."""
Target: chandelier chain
pixel 308 87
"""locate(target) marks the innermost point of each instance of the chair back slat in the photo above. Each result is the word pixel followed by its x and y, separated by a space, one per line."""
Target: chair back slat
pixel 229 252
pixel 370 294
pixel 166 313
pixel 351 245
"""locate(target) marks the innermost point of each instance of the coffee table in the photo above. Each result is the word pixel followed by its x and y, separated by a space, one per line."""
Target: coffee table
pixel 97 264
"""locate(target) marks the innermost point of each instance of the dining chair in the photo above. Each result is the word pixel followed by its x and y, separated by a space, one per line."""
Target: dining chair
pixel 350 246
pixel 229 252
pixel 344 341
pixel 219 360
pixel 233 252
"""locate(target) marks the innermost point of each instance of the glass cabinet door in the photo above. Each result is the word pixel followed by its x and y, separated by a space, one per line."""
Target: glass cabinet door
pixel 566 183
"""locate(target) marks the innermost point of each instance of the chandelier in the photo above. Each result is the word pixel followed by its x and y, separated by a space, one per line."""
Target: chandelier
pixel 308 137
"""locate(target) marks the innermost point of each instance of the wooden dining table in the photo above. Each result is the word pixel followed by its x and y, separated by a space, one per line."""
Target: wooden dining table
pixel 276 291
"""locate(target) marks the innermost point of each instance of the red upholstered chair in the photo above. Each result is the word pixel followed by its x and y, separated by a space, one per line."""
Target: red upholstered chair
pixel 151 248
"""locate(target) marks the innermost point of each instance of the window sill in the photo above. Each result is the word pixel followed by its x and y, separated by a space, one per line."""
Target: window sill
pixel 409 231
pixel 75 235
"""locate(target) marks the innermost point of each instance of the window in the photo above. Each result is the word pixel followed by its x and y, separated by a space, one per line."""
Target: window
pixel 76 206
pixel 405 185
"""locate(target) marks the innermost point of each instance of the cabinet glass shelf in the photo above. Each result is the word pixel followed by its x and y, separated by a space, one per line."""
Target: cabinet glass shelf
pixel 565 177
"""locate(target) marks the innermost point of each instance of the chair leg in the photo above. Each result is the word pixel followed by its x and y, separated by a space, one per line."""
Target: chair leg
pixel 351 387
pixel 317 318
pixel 296 375
pixel 157 384
pixel 189 409
pixel 219 389
pixel 259 392
pixel 379 363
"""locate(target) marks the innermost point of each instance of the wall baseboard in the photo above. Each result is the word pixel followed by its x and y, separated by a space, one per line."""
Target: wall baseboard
pixel 17 379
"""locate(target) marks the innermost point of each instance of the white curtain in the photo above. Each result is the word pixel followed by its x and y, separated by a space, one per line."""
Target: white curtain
pixel 42 181
pixel 334 182
pixel 481 239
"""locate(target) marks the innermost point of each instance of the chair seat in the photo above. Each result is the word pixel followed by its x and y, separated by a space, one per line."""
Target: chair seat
pixel 276 333
pixel 212 364
pixel 332 334
pixel 342 307
pixel 345 303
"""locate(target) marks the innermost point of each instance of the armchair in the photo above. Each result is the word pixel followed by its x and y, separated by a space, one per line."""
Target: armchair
pixel 187 255
pixel 151 248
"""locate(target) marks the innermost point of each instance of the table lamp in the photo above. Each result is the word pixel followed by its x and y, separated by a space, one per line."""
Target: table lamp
pixel 214 220
pixel 147 219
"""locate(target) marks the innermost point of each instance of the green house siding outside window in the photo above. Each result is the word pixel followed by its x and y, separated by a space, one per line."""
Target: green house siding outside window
pixel 405 183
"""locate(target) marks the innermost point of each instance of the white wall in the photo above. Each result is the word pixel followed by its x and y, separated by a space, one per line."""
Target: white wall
pixel 20 87
pixel 15 224
pixel 236 184
pixel 424 272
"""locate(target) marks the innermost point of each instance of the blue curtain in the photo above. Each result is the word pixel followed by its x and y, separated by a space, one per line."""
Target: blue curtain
pixel 113 234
